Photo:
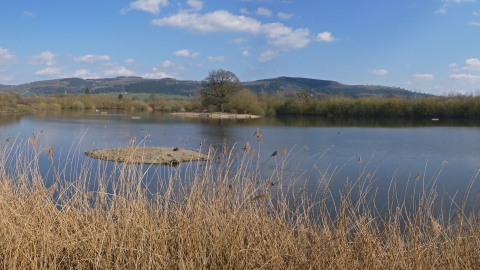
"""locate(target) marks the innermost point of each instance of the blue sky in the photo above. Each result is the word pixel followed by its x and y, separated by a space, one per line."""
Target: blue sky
pixel 430 46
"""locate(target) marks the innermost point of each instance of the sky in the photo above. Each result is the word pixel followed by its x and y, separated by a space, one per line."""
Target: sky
pixel 428 46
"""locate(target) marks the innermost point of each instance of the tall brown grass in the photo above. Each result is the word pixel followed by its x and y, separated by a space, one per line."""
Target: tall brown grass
pixel 224 214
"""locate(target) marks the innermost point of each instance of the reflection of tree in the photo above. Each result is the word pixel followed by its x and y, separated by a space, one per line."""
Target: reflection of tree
pixel 9 119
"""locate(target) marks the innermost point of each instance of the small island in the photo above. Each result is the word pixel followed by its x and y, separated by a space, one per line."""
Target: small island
pixel 148 155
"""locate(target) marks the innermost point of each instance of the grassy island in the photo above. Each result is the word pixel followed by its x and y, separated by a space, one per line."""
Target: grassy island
pixel 147 155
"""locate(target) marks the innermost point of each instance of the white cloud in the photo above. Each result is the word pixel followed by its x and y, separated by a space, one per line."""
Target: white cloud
pixel 284 16
pixel 170 65
pixel 472 64
pixel 239 40
pixel 476 13
pixel 48 72
pixel 216 58
pixel 245 53
pixel 466 78
pixel 217 21
pixel 118 71
pixel 325 37
pixel 45 58
pixel 167 64
pixel 186 53
pixel 453 65
pixel 446 4
pixel 223 21
pixel 261 11
pixel 152 6
pixel 182 53
pixel 423 77
pixel 378 72
pixel 474 23
pixel 6 78
pixel 297 38
pixel 156 75
pixel 6 56
pixel 27 14
pixel 267 56
pixel 83 73
pixel 129 61
pixel 244 11
pixel 91 58
pixel 195 4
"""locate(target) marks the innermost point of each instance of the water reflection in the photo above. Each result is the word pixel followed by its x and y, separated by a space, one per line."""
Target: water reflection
pixel 392 149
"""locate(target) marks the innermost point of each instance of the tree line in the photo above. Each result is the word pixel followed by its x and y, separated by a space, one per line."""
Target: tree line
pixel 222 91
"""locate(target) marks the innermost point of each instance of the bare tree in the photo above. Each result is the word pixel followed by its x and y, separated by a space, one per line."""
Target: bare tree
pixel 218 87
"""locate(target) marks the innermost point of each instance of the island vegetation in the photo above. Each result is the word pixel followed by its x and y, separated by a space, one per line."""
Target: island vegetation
pixel 221 91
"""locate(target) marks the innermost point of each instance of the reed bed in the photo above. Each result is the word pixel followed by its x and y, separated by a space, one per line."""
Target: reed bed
pixel 222 214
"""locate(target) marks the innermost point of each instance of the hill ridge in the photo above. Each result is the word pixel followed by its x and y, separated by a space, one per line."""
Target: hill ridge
pixel 135 84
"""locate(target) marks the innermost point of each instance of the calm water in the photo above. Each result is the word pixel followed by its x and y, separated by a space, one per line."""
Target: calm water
pixel 395 149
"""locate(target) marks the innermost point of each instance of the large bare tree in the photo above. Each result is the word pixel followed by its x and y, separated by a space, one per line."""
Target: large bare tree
pixel 218 88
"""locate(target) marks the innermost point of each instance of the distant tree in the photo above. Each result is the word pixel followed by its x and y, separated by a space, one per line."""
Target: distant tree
pixel 218 88
pixel 304 94
pixel 120 97
pixel 151 98
pixel 87 91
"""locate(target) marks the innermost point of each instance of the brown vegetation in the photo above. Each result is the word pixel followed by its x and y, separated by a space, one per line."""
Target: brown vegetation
pixel 222 215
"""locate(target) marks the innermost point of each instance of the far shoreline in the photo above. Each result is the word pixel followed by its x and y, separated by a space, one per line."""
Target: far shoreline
pixel 216 115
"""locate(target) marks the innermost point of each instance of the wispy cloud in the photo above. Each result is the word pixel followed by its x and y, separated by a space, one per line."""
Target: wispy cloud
pixel 118 71
pixel 83 73
pixel 151 6
pixel 195 4
pixel 27 14
pixel 6 56
pixel 48 72
pixel 378 72
pixel 6 78
pixel 446 4
pixel 474 23
pixel 465 78
pixel 156 75
pixel 267 56
pixel 45 58
pixel 216 58
pixel 284 16
pixel 186 53
pixel 261 11
pixel 245 53
pixel 423 77
pixel 91 58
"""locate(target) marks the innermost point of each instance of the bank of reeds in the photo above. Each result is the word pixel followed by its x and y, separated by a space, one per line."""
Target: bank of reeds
pixel 222 214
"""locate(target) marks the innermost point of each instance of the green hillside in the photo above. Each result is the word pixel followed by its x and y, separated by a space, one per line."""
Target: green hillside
pixel 169 86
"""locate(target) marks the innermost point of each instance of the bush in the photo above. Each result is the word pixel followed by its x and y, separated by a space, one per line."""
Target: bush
pixel 78 105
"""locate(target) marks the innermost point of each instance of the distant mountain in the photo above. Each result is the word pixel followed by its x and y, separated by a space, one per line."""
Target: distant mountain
pixel 2 87
pixel 186 88
pixel 324 87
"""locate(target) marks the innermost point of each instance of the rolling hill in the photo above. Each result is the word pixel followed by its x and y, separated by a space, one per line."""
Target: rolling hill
pixel 187 88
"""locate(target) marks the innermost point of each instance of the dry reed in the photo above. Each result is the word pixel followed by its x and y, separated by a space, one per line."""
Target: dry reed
pixel 209 217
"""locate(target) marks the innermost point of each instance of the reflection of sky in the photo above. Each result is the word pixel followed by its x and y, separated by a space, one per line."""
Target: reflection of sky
pixel 408 150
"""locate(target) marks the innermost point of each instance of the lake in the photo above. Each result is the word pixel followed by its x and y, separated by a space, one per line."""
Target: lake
pixel 391 150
